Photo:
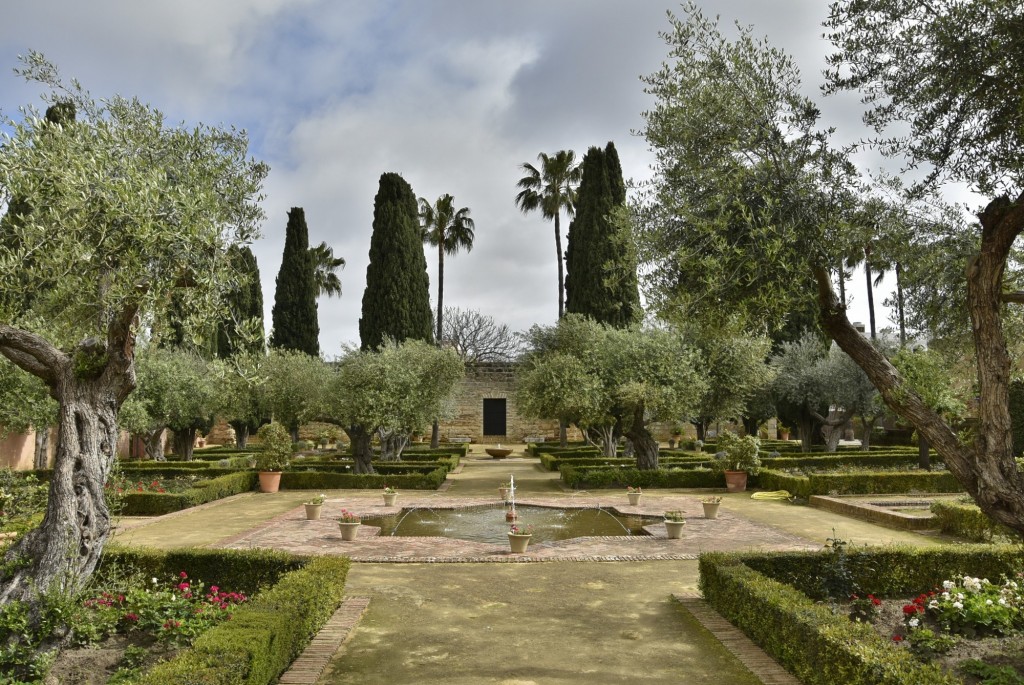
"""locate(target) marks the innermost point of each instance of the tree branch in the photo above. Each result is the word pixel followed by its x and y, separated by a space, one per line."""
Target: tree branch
pixel 32 353
pixel 1016 297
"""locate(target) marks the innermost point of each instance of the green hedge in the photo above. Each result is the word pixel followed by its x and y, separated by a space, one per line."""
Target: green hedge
pixel 320 480
pixel 836 459
pixel 553 462
pixel 859 483
pixel 808 639
pixel 968 521
pixel 774 597
pixel 159 503
pixel 580 477
pixel 265 635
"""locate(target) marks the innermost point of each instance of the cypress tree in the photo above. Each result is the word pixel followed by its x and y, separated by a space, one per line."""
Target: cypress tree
pixel 244 302
pixel 294 315
pixel 396 302
pixel 601 281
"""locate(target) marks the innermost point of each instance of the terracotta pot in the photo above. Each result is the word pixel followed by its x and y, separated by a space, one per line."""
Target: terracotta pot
pixel 711 510
pixel 783 435
pixel 634 498
pixel 349 530
pixel 313 511
pixel 504 493
pixel 674 529
pixel 735 481
pixel 389 500
pixel 270 481
pixel 518 543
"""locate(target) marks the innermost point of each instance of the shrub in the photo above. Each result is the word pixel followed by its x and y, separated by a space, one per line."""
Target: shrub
pixel 275 447
pixel 967 521
pixel 741 453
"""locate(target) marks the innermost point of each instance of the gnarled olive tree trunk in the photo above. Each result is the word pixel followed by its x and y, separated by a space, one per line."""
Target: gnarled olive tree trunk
pixel 89 387
pixel 362 448
pixel 644 445
pixel 981 460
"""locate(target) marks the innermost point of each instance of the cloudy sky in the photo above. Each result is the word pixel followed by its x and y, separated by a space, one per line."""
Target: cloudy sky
pixel 452 94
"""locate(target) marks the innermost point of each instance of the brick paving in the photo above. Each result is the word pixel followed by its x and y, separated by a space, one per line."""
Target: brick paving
pixel 291 532
pixel 311 664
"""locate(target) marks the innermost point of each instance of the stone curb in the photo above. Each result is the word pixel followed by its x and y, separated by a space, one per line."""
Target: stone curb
pixel 766 669
pixel 311 664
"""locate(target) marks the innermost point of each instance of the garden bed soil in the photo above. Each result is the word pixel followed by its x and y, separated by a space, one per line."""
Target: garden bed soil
pixel 95 664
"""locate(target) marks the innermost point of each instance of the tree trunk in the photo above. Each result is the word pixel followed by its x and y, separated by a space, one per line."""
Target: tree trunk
pixel 750 425
pixel 184 442
pixel 871 290
pixel 63 551
pixel 362 448
pixel 294 433
pixel 241 433
pixel 868 426
pixel 606 440
pixel 923 461
pixel 435 435
pixel 391 444
pixel 899 305
pixel 154 443
pixel 702 428
pixel 832 427
pixel 563 434
pixel 806 427
pixel 41 458
pixel 842 283
pixel 561 272
pixel 440 285
pixel 644 444
pixel 985 465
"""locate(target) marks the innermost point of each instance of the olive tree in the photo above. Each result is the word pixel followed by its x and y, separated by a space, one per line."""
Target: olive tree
pixel 116 212
pixel 25 404
pixel 391 391
pixel 295 388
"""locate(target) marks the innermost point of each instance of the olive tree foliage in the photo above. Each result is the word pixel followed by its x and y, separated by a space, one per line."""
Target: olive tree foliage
pixel 294 388
pixel 737 146
pixel 117 212
pixel 477 337
pixel 735 365
pixel 177 389
pixel 391 392
pixel 243 401
pixel 635 376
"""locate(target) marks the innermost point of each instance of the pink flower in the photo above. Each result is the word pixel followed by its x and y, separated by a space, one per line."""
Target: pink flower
pixel 183 575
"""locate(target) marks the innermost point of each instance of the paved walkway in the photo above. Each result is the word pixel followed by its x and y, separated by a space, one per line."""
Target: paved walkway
pixel 485 620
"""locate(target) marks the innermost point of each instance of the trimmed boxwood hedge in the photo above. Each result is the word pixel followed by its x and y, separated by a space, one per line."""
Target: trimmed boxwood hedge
pixel 553 462
pixel 321 480
pixel 772 598
pixel 159 503
pixel 968 521
pixel 267 633
pixel 859 483
pixel 579 477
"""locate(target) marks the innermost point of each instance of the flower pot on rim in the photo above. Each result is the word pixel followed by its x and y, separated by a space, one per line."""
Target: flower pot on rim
pixel 735 481
pixel 504 493
pixel 711 509
pixel 674 529
pixel 389 499
pixel 518 543
pixel 313 511
pixel 634 498
pixel 270 481
pixel 349 530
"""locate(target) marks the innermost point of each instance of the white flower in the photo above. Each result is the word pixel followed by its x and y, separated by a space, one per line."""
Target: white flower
pixel 155 581
pixel 1002 601
pixel 947 584
pixel 960 596
pixel 934 604
pixel 988 602
pixel 958 605
pixel 914 622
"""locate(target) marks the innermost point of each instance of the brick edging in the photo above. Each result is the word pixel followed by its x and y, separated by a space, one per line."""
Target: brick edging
pixel 765 668
pixel 311 664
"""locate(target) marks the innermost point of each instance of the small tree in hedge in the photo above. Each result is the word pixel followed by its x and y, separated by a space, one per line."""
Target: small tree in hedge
pixel 275 447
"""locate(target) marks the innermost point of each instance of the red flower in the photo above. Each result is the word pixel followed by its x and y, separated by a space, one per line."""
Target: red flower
pixel 897 638
pixel 876 601
pixel 183 575
pixel 131 618
pixel 909 609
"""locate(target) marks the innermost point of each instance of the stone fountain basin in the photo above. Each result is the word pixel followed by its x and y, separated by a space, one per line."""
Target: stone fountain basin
pixel 498 452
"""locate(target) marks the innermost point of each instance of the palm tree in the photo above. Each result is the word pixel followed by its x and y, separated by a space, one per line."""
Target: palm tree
pixel 325 264
pixel 551 189
pixel 448 230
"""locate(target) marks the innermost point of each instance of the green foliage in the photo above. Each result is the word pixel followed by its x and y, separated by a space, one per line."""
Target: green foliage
pixel 449 230
pixel 404 478
pixel 176 389
pixel 601 281
pixel 740 452
pixel 925 373
pixel 294 387
pixel 589 478
pixel 22 498
pixel 989 674
pixel 1017 415
pixel 209 490
pixel 24 400
pixel 241 329
pixel 966 521
pixel 859 483
pixel 296 326
pixel 275 447
pixel 396 302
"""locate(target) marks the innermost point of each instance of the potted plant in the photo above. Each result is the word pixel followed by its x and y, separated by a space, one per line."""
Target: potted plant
pixel 519 535
pixel 389 496
pixel 698 445
pixel 505 490
pixel 349 524
pixel 740 459
pixel 634 495
pixel 275 451
pixel 782 429
pixel 674 522
pixel 313 507
pixel 711 505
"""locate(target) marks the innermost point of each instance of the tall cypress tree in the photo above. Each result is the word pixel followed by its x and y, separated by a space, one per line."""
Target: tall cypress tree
pixel 396 302
pixel 296 326
pixel 601 280
pixel 244 302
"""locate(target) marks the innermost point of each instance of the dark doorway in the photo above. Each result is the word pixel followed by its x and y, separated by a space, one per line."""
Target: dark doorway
pixel 494 417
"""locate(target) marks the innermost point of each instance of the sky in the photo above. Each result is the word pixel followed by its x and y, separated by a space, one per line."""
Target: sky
pixel 454 95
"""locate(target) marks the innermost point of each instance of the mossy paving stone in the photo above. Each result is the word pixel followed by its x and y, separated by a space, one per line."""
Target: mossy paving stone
pixel 516 624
